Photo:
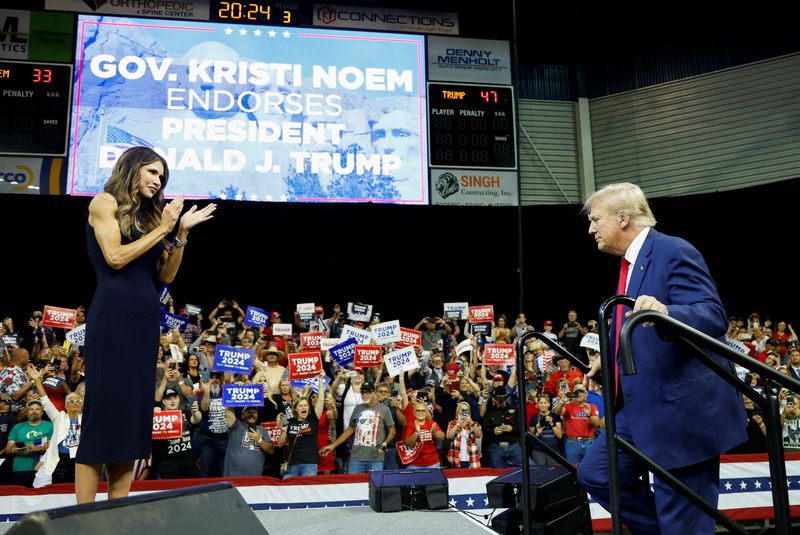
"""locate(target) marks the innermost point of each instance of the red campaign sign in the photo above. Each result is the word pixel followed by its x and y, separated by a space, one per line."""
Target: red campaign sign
pixel 273 430
pixel 304 364
pixel 310 340
pixel 499 354
pixel 167 424
pixel 367 356
pixel 452 369
pixel 481 314
pixel 409 337
pixel 63 318
pixel 407 455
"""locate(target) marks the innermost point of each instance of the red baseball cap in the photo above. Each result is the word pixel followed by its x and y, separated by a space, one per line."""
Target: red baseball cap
pixel 498 377
pixel 275 314
pixel 548 323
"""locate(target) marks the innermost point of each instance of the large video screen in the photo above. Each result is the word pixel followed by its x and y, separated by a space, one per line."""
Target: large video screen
pixel 252 113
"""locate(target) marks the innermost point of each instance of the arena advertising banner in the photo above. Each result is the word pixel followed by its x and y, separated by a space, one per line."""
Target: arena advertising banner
pixel 481 61
pixel 254 113
pixel 32 176
pixel 474 187
pixel 179 9
pixel 395 20
pixel 36 35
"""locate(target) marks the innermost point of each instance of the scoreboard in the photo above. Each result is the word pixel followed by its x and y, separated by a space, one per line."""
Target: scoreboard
pixel 471 126
pixel 35 108
pixel 252 100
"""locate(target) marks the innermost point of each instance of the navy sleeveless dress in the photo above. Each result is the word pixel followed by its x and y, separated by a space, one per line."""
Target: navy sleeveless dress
pixel 122 337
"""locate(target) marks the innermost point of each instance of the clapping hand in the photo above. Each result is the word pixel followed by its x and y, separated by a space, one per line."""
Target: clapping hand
pixel 171 213
pixel 194 217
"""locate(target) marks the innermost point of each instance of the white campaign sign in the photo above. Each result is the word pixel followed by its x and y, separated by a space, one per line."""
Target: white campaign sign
pixel 400 361
pixel 361 336
pixel 456 311
pixel 386 332
pixel 306 310
pixel 281 329
pixel 359 312
pixel 176 352
pixel 463 347
pixel 77 335
pixel 592 341
pixel 326 343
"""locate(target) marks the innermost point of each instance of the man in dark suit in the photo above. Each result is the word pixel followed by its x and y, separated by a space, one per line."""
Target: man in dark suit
pixel 793 365
pixel 675 410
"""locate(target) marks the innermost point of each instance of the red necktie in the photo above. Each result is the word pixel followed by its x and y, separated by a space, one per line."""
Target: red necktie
pixel 621 285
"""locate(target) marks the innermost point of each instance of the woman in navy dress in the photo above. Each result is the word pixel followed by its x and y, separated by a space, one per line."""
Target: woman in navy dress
pixel 126 234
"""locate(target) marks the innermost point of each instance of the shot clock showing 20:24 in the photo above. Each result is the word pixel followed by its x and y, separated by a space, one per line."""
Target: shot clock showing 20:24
pixel 255 12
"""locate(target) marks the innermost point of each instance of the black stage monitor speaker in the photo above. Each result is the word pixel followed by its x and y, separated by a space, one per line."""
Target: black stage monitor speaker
pixel 394 490
pixel 217 508
pixel 553 488
pixel 576 521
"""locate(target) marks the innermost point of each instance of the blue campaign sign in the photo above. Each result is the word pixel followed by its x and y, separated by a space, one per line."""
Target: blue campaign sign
pixel 344 353
pixel 313 381
pixel 233 359
pixel 242 396
pixel 255 317
pixel 171 321
pixel 163 295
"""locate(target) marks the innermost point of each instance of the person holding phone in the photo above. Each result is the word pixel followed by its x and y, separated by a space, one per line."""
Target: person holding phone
pixel 501 441
pixel 171 379
pixel 247 445
pixel 464 432
pixel 435 329
pixel 127 235
pixel 549 428
pixel 301 432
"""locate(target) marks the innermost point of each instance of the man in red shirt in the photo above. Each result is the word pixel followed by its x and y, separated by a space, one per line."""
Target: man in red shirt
pixel 771 346
pixel 564 371
pixel 581 419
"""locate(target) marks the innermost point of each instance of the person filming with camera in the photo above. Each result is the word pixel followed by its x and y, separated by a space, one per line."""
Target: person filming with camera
pixel 548 427
pixel 581 420
pixel 501 436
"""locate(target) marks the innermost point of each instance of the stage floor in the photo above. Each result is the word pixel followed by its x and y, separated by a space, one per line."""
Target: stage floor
pixel 350 520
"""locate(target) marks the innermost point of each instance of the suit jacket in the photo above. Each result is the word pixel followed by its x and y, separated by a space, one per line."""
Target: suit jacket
pixel 680 411
pixel 792 372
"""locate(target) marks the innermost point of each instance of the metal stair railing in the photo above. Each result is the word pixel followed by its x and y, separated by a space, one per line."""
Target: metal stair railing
pixel 527 438
pixel 698 342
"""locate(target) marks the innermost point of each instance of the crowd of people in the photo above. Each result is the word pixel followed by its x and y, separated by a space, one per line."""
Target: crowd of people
pixel 453 410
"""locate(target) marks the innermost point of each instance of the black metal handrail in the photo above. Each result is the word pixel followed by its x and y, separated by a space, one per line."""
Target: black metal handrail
pixel 526 437
pixel 608 363
pixel 699 341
